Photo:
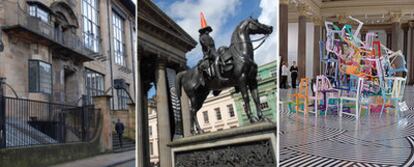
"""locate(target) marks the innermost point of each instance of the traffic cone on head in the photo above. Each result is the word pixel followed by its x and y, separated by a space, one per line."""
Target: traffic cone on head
pixel 204 26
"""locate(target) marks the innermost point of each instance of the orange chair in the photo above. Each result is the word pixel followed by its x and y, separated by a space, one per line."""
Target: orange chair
pixel 301 97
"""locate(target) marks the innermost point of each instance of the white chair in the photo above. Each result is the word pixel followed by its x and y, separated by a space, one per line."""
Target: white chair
pixel 353 97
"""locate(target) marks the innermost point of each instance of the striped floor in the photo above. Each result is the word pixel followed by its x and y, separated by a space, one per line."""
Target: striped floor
pixel 344 141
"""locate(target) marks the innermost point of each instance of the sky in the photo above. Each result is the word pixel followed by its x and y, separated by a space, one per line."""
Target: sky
pixel 223 16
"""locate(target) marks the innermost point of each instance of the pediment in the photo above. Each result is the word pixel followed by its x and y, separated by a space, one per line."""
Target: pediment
pixel 152 13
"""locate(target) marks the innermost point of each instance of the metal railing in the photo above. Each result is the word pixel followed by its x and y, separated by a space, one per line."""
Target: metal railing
pixel 15 16
pixel 24 122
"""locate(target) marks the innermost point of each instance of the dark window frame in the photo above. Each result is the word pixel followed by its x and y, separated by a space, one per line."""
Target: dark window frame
pixel 33 11
pixel 122 98
pixel 38 88
pixel 91 89
pixel 205 117
pixel 119 45
pixel 91 39
pixel 230 108
pixel 219 117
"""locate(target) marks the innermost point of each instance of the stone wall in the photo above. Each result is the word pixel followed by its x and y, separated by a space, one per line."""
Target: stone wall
pixel 47 155
pixel 128 119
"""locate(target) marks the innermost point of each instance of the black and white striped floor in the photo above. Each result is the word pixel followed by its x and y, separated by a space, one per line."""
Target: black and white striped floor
pixel 306 141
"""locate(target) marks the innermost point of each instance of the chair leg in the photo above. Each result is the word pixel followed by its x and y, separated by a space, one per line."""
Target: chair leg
pixel 357 111
pixel 340 107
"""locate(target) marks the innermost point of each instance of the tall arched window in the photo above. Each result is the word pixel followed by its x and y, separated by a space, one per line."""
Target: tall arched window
pixel 90 15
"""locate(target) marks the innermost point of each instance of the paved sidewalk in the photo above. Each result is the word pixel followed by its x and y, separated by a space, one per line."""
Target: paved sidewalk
pixel 105 160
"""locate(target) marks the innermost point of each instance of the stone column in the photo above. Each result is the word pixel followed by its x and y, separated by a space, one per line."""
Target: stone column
pixel 302 42
pixel 395 20
pixel 185 112
pixel 316 39
pixel 283 30
pixel 105 140
pixel 405 27
pixel 389 39
pixel 410 61
pixel 140 155
pixel 131 121
pixel 164 128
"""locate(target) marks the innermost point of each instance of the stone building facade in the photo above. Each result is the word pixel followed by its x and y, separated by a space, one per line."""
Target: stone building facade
pixel 153 133
pixel 218 113
pixel 60 50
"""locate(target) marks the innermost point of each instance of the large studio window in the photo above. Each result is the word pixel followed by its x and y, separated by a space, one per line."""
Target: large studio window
pixel 40 77
pixel 37 11
pixel 118 28
pixel 90 16
pixel 94 84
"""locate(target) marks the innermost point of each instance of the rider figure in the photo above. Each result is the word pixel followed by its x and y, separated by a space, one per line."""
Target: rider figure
pixel 209 49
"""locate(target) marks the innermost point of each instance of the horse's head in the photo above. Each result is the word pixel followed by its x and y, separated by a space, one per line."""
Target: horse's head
pixel 255 27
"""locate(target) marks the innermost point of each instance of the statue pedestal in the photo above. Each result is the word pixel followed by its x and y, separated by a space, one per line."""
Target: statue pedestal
pixel 252 145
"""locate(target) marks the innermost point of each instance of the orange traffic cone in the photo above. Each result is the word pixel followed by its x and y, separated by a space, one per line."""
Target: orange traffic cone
pixel 204 26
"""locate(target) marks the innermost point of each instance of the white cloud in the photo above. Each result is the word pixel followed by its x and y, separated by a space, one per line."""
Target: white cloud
pixel 187 14
pixel 267 52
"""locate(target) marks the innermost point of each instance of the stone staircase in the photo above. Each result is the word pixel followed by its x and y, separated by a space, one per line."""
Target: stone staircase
pixel 128 144
pixel 20 133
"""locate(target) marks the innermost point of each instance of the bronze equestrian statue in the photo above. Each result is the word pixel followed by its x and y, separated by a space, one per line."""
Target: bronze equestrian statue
pixel 233 66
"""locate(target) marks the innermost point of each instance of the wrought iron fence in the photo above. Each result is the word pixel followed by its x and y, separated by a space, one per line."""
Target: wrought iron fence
pixel 24 122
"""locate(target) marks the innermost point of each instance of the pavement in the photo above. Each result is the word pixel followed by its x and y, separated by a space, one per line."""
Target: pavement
pixel 373 140
pixel 123 159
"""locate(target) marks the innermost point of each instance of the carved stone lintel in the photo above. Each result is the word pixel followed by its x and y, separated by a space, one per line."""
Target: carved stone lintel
pixel 284 2
pixel 411 24
pixel 395 17
pixel 303 9
pixel 317 20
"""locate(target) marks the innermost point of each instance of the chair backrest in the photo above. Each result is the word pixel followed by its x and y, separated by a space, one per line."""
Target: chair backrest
pixel 322 83
pixel 397 87
pixel 304 87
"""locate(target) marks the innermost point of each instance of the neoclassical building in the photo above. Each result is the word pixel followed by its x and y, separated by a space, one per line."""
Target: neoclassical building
pixel 218 112
pixel 303 22
pixel 162 46
pixel 66 51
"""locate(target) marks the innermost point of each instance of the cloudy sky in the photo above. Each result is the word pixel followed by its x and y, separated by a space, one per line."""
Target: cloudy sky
pixel 223 16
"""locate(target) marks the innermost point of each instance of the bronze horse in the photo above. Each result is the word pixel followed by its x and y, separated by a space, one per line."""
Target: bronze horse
pixel 241 74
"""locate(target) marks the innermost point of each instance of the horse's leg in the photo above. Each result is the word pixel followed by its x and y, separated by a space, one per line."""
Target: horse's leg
pixel 196 129
pixel 255 96
pixel 197 124
pixel 193 116
pixel 245 96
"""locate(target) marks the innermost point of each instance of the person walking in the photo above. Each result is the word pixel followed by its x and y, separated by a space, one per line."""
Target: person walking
pixel 285 72
pixel 119 128
pixel 294 74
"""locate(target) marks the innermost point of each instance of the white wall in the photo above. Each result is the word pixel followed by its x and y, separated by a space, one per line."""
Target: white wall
pixel 293 46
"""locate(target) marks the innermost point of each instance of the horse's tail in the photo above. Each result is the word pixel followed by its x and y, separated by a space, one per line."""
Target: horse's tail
pixel 178 83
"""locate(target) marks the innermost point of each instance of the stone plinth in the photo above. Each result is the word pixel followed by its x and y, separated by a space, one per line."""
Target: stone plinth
pixel 253 145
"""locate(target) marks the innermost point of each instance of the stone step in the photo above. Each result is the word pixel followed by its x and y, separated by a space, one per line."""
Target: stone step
pixel 127 144
pixel 123 149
